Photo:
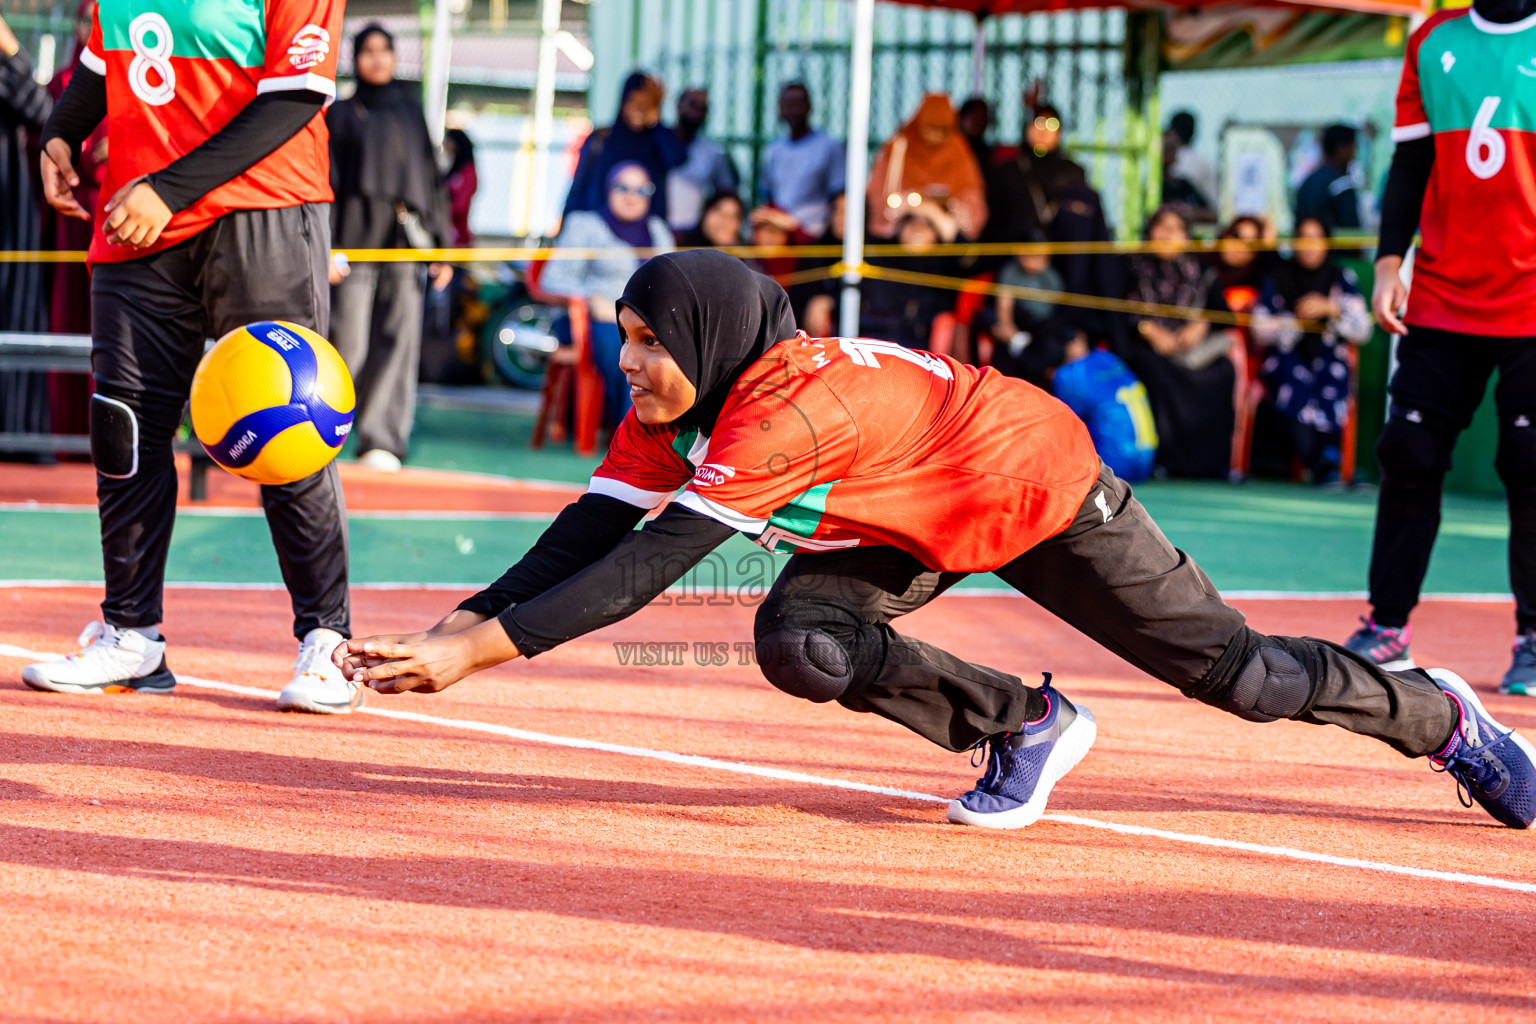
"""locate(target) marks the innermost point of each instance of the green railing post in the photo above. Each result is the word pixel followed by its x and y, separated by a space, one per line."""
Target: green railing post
pixel 759 87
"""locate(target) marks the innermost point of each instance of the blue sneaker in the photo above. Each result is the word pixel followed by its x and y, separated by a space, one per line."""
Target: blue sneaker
pixel 1520 680
pixel 1023 766
pixel 1492 765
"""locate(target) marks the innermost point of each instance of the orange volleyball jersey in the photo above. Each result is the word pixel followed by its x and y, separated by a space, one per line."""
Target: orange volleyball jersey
pixel 830 443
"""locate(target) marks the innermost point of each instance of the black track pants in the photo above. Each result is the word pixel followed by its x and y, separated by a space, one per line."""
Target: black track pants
pixel 150 318
pixel 1440 381
pixel 1111 575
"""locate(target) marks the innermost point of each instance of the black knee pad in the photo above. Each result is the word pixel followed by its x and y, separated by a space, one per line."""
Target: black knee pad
pixel 1266 681
pixel 1516 458
pixel 805 663
pixel 131 430
pixel 114 436
pixel 1410 449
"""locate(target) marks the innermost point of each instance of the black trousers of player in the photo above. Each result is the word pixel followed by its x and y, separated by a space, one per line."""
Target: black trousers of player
pixel 150 318
pixel 1116 579
pixel 1440 380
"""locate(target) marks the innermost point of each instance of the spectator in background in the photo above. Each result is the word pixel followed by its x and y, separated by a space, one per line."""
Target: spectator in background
pixel 1306 372
pixel 815 301
pixel 901 312
pixel 69 394
pixel 975 119
pixel 805 168
pixel 1328 194
pixel 24 106
pixel 1028 189
pixel 1031 340
pixel 1038 189
pixel 636 136
pixel 462 182
pixel 1181 359
pixel 1188 178
pixel 719 224
pixel 771 227
pixel 1240 264
pixel 388 196
pixel 927 162
pixel 626 222
pixel 705 170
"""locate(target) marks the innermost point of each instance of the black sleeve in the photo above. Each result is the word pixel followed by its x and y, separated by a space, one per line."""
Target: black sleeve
pixel 82 107
pixel 20 91
pixel 252 135
pixel 586 530
pixel 1403 198
pixel 632 575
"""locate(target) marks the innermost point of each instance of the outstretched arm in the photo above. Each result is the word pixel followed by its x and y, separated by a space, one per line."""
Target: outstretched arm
pixel 635 572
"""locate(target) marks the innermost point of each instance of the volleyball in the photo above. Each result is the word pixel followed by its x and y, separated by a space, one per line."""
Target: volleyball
pixel 272 402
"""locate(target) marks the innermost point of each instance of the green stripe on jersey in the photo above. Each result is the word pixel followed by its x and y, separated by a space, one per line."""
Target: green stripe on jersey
pixel 802 514
pixel 1461 67
pixel 232 30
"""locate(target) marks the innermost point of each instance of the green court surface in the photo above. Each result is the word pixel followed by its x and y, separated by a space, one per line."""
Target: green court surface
pixel 1257 536
pixel 1254 536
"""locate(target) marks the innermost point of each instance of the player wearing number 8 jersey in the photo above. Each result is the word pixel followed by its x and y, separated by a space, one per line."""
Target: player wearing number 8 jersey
pixel 890 475
pixel 218 174
pixel 1464 177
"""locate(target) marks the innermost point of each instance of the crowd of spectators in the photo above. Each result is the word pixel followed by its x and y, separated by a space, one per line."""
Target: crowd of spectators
pixel 942 178
pixel 1169 363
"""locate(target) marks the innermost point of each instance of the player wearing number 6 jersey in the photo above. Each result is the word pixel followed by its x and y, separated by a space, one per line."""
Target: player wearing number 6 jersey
pixel 1464 177
pixel 890 475
pixel 218 174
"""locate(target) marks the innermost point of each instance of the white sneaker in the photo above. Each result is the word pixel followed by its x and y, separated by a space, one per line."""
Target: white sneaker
pixel 110 660
pixel 379 460
pixel 318 685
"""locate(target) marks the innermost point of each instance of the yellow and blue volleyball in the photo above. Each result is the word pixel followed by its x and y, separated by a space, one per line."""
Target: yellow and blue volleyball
pixel 272 402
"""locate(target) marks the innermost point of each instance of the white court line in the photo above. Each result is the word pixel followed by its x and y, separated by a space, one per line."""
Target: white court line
pixel 240 512
pixel 741 768
pixel 683 588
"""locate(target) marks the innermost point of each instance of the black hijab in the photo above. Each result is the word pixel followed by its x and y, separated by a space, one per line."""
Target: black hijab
pixel 1292 280
pixel 714 315
pixel 380 146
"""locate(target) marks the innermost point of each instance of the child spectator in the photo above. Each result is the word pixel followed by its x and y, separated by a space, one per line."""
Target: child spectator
pixel 1031 340
pixel 1306 371
pixel 901 312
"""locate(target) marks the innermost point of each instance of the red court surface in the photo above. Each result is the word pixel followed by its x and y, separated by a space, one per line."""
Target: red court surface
pixel 202 857
pixel 74 483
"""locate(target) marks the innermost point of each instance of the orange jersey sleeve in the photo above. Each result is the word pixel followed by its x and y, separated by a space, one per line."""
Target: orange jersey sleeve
pixel 303 46
pixel 645 465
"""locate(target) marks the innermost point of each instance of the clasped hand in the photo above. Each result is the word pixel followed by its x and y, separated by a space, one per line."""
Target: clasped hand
pixel 423 662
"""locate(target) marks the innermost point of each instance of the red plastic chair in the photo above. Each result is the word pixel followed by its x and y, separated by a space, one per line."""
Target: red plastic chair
pixel 571 369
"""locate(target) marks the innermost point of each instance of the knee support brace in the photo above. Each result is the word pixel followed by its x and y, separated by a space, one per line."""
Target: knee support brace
pixel 1411 450
pixel 131 430
pixel 114 436
pixel 805 663
pixel 1270 678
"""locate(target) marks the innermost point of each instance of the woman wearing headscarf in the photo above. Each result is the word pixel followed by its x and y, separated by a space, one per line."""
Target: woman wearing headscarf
pixel 891 474
pixel 388 196
pixel 927 161
pixel 626 222
pixel 1181 358
pixel 636 136
pixel 462 182
pixel 1306 371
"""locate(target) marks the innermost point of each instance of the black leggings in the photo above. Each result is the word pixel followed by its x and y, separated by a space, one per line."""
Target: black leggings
pixel 1440 380
pixel 1113 576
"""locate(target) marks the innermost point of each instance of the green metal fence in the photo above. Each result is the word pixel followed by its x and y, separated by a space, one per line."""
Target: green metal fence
pixel 1098 66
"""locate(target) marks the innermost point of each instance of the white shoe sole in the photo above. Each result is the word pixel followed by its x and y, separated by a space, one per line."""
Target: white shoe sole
pixel 1451 681
pixel 1400 665
pixel 314 707
pixel 36 679
pixel 1069 750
